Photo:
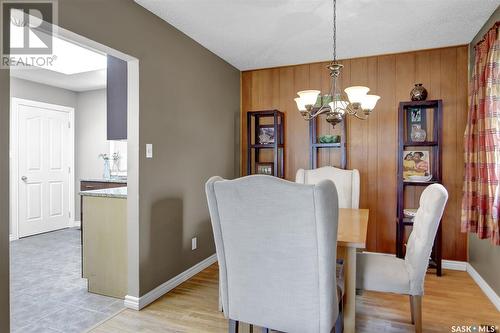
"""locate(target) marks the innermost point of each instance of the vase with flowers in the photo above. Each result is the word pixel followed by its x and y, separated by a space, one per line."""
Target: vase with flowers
pixel 106 174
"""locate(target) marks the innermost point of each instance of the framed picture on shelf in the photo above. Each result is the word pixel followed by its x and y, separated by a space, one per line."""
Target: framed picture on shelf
pixel 266 135
pixel 264 169
pixel 416 165
pixel 416 121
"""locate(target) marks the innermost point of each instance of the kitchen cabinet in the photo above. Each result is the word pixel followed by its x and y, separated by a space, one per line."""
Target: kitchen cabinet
pixel 105 241
pixel 116 99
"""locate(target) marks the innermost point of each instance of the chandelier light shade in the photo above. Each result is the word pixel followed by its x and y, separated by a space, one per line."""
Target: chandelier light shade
pixel 356 94
pixel 308 97
pixel 357 103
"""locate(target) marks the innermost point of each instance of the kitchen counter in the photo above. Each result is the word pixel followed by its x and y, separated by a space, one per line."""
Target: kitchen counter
pixel 120 180
pixel 117 192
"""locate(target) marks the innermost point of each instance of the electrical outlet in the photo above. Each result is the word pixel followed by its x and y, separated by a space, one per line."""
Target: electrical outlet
pixel 149 150
pixel 194 244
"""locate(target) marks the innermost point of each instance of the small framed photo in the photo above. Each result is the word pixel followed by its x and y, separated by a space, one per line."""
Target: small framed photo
pixel 266 135
pixel 416 124
pixel 264 169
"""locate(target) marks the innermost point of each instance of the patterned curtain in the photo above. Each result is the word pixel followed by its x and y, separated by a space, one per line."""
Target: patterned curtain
pixel 481 197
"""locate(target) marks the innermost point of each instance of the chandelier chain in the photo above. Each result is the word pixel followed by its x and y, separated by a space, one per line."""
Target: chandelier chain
pixel 334 30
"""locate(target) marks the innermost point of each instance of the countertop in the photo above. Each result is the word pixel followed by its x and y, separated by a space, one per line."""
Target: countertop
pixel 117 192
pixel 103 180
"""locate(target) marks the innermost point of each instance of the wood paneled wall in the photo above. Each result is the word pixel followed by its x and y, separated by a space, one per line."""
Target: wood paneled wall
pixel 372 144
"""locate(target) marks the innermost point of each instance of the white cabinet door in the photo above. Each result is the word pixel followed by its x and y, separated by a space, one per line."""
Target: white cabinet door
pixel 43 162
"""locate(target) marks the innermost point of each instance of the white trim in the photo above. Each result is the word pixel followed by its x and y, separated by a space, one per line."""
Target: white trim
pixel 138 303
pixel 74 224
pixel 488 291
pixel 133 158
pixel 454 265
pixel 14 158
pixel 12 238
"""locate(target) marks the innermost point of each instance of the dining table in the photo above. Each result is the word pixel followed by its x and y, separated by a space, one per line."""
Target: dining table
pixel 351 236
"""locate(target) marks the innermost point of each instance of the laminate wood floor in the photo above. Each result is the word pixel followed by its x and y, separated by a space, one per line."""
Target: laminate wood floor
pixel 453 299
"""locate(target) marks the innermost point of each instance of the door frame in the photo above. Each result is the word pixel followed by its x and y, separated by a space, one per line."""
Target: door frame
pixel 14 159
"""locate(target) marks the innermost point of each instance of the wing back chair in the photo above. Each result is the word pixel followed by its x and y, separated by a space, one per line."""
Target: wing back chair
pixel 276 247
pixel 346 181
pixel 379 272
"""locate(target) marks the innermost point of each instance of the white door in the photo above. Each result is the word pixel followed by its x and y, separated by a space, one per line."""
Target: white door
pixel 43 169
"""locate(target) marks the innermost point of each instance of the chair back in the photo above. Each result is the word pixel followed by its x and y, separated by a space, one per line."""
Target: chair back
pixel 276 246
pixel 346 181
pixel 425 226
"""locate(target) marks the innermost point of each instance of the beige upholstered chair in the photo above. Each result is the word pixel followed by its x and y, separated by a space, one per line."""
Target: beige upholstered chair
pixel 276 245
pixel 346 181
pixel 379 272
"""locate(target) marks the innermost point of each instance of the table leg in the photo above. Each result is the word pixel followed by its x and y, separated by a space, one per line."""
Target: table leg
pixel 349 256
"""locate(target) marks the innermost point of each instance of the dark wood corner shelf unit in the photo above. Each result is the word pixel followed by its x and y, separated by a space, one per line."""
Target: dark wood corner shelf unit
pixel 315 145
pixel 414 117
pixel 269 155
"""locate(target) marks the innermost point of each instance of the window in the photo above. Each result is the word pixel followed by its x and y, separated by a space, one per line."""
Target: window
pixel 119 161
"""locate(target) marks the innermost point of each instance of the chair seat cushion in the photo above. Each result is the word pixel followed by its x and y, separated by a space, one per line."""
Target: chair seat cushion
pixel 379 272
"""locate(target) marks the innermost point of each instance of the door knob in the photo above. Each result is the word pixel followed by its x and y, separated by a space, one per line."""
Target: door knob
pixel 24 178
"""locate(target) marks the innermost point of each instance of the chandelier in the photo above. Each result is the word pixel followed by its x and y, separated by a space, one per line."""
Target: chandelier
pixel 336 105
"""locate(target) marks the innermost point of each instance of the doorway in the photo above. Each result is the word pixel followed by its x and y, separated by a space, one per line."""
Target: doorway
pixel 47 289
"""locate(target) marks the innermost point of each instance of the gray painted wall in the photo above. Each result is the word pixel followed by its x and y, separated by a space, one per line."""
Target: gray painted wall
pixel 41 93
pixel 483 256
pixel 4 199
pixel 90 137
pixel 189 99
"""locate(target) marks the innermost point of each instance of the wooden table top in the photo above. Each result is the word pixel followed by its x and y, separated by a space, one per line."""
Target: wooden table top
pixel 353 227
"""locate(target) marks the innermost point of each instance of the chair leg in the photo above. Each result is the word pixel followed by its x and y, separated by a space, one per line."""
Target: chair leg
pixel 265 330
pixel 233 326
pixel 412 312
pixel 416 305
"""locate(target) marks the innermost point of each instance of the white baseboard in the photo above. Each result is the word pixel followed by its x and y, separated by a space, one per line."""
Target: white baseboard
pixel 12 238
pixel 74 224
pixel 138 303
pixel 454 265
pixel 488 291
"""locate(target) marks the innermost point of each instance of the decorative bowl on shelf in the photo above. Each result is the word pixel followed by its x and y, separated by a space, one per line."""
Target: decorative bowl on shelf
pixel 410 212
pixel 328 138
pixel 420 179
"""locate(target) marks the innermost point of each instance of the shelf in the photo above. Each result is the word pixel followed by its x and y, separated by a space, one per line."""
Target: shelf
pixel 327 145
pixel 405 183
pixel 265 146
pixel 420 144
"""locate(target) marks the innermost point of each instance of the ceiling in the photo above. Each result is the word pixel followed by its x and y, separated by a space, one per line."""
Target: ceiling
pixel 73 66
pixel 79 82
pixel 251 34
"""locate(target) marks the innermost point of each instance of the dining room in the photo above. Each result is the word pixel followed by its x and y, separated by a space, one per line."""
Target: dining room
pixel 298 166
pixel 359 204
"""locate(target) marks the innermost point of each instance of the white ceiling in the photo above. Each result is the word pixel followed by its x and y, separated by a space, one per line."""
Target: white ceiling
pixel 76 82
pixel 252 34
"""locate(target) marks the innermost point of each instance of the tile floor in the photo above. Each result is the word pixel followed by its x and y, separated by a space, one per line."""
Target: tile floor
pixel 48 293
